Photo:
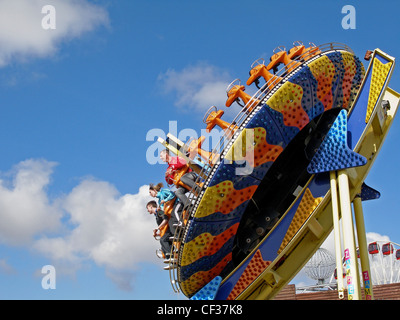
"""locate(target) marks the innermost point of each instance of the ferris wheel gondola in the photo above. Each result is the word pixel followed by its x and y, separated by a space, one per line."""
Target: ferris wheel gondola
pixel 373 248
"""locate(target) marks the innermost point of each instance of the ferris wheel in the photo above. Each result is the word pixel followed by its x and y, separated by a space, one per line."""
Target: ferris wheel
pixel 384 260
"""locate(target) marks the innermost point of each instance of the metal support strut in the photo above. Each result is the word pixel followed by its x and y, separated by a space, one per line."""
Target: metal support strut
pixel 363 249
pixel 353 280
pixel 350 252
pixel 336 230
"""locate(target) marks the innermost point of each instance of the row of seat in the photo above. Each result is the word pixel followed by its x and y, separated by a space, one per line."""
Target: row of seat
pixel 236 92
pixel 297 55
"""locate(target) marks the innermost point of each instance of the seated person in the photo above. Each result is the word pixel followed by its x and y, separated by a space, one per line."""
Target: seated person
pixel 162 194
pixel 175 164
pixel 172 208
pixel 162 230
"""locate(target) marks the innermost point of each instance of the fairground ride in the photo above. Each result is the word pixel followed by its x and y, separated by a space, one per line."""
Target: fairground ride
pixel 285 174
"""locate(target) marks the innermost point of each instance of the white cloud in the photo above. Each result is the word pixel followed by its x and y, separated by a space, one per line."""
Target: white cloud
pixel 373 236
pixel 23 37
pixel 91 224
pixel 197 87
pixel 25 210
pixel 110 230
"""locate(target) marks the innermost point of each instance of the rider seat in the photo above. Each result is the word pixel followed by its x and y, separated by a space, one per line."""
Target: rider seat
pixel 168 206
pixel 194 148
pixel 236 91
pixel 260 70
pixel 297 50
pixel 213 118
pixel 311 51
pixel 282 57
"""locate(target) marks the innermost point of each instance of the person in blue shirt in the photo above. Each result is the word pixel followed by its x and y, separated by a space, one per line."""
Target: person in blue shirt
pixel 162 194
pixel 167 202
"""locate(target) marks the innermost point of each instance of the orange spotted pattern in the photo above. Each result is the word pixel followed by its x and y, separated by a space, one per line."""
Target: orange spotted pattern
pixel 287 100
pixel 255 267
pixel 252 146
pixel 323 71
pixel 223 198
pixel 350 69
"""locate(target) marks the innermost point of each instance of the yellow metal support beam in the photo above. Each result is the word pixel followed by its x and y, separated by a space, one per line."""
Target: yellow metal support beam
pixel 350 252
pixel 363 249
pixel 336 229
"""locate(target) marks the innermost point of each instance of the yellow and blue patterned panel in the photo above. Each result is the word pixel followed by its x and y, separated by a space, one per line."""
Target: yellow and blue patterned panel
pixel 330 81
pixel 380 71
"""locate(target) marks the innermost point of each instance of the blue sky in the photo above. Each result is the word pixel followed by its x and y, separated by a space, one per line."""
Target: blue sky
pixel 80 105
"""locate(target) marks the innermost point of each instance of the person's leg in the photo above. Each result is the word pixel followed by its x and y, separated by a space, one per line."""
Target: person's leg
pixel 166 244
pixel 180 194
pixel 189 179
pixel 175 217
